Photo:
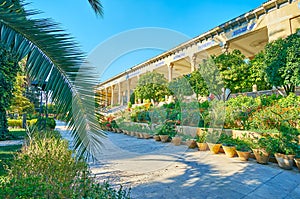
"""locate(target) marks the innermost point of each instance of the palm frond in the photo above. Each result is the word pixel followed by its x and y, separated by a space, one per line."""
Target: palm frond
pixel 97 7
pixel 52 54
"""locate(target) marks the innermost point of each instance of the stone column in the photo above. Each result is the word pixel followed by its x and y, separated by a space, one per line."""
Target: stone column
pixel 112 94
pixel 225 48
pixel 170 68
pixel 106 96
pixel 193 59
pixel 128 90
pixel 119 93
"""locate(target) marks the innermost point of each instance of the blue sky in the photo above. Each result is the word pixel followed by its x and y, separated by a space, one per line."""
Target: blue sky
pixel 190 17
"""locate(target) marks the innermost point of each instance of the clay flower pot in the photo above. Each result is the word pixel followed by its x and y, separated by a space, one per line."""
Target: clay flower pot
pixel 285 161
pixel 176 140
pixel 214 148
pixel 164 138
pixel 132 133
pixel 243 155
pixel 297 161
pixel 229 151
pixel 141 135
pixel 146 136
pixel 191 144
pixel 202 146
pixel 156 137
pixel 261 156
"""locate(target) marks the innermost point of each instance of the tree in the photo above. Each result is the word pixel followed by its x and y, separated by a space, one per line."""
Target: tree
pixel 234 71
pixel 54 55
pixel 8 71
pixel 19 103
pixel 152 85
pixel 180 87
pixel 257 72
pixel 198 84
pixel 282 60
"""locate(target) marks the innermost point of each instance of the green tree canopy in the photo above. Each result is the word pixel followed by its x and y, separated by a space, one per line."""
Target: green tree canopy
pixel 180 87
pixel 8 71
pixel 257 72
pixel 152 85
pixel 282 60
pixel 19 103
pixel 198 84
pixel 234 71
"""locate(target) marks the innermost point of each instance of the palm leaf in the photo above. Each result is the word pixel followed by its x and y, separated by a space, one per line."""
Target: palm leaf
pixel 97 7
pixel 52 54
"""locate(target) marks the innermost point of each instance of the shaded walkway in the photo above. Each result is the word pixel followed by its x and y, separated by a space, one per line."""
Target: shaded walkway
pixel 158 170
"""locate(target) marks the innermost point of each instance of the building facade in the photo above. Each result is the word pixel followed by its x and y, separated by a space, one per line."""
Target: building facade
pixel 248 33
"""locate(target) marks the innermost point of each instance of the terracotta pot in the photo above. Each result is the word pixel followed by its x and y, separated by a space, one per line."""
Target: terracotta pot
pixel 140 135
pixel 202 146
pixel 261 156
pixel 229 151
pixel 146 136
pixel 285 161
pixel 132 133
pixel 243 155
pixel 191 144
pixel 156 137
pixel 176 141
pixel 164 138
pixel 214 148
pixel 297 161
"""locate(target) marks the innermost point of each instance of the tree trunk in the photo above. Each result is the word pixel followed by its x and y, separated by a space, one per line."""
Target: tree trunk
pixel 3 125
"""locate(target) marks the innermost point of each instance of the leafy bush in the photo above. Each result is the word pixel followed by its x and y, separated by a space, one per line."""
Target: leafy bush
pixel 17 123
pixel 50 123
pixel 238 111
pixel 46 168
pixel 273 116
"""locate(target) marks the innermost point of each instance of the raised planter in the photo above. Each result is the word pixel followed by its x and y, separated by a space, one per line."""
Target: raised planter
pixel 164 138
pixel 176 140
pixel 261 156
pixel 244 155
pixel 202 146
pixel 285 161
pixel 214 148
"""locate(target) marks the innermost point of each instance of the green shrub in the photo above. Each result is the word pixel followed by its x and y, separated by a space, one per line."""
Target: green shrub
pixel 238 111
pixel 273 116
pixel 17 123
pixel 50 123
pixel 46 168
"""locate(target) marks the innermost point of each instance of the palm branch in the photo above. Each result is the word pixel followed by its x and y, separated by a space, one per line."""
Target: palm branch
pixel 53 55
pixel 97 7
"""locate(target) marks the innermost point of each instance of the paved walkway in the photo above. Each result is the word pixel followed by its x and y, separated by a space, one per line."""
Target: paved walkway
pixel 11 142
pixel 159 170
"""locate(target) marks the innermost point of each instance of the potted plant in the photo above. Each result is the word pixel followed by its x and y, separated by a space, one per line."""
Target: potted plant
pixel 201 141
pixel 262 148
pixel 286 146
pixel 167 131
pixel 176 140
pixel 190 141
pixel 243 149
pixel 212 140
pixel 228 144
